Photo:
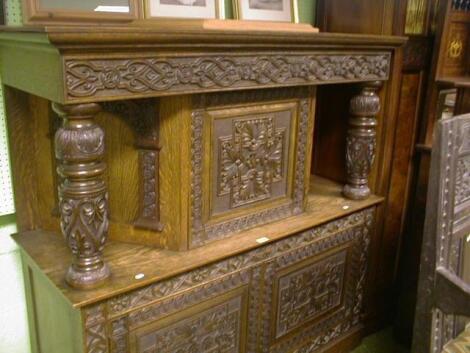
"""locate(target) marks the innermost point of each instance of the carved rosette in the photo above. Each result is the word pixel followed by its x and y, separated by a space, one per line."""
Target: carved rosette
pixel 361 141
pixel 83 199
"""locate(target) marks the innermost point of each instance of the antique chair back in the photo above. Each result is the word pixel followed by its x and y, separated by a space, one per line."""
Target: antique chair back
pixel 444 290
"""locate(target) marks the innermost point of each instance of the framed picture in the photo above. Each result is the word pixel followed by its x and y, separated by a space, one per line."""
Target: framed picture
pixel 265 10
pixel 47 11
pixel 207 9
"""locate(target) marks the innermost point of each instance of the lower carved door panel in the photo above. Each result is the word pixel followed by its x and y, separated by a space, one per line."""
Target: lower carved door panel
pixel 217 326
pixel 298 294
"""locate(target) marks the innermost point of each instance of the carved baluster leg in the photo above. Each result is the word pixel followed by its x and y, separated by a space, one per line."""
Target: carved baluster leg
pixel 83 204
pixel 361 141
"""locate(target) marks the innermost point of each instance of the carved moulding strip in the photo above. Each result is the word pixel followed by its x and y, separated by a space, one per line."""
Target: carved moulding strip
pixel 147 76
pixel 201 233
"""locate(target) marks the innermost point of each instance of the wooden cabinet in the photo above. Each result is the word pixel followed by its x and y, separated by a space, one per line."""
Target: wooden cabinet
pixel 299 293
pixel 192 152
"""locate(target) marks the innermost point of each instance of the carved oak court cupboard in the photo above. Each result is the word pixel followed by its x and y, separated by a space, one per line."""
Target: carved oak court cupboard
pixel 191 150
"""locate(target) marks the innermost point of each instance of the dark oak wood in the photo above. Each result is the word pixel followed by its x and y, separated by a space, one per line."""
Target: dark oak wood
pixel 361 141
pixel 443 293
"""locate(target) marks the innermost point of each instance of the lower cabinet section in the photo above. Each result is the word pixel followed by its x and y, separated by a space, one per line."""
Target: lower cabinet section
pixel 298 294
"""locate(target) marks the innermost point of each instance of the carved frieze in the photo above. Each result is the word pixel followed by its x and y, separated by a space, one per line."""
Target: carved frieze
pixel 148 76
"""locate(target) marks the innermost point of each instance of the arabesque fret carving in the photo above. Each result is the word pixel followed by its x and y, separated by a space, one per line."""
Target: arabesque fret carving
pixel 83 198
pixel 251 160
pixel 98 77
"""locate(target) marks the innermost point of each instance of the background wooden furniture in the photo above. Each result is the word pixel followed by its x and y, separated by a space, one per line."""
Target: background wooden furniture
pixel 399 113
pixel 444 292
pixel 209 137
pixel 427 25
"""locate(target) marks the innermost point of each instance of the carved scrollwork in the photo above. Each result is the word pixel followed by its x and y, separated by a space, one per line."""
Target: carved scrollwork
pixel 361 141
pixel 96 77
pixel 85 221
pixel 83 199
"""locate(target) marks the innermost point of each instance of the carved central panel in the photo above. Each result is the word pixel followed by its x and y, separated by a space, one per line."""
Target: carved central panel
pixel 250 160
pixel 309 292
pixel 216 330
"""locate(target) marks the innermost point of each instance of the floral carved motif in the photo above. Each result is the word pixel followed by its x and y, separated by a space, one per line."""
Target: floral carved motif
pixel 260 146
pixel 251 160
pixel 96 77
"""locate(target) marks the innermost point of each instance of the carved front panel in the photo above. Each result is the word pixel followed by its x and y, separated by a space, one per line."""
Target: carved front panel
pixel 254 302
pixel 249 160
pixel 215 329
pixel 310 291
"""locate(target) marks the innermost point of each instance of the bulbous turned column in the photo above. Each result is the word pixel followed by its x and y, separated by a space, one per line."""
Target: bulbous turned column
pixel 361 140
pixel 83 198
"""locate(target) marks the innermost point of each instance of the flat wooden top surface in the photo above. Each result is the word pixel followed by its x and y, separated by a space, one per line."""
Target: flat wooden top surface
pixel 48 252
pixel 175 32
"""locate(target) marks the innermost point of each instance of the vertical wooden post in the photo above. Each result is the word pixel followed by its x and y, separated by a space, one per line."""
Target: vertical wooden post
pixel 83 198
pixel 361 141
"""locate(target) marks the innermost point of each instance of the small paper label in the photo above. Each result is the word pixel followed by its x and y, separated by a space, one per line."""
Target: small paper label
pixel 262 240
pixel 139 276
pixel 120 9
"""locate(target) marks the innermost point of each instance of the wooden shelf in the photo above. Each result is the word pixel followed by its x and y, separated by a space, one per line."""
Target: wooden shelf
pixel 48 251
